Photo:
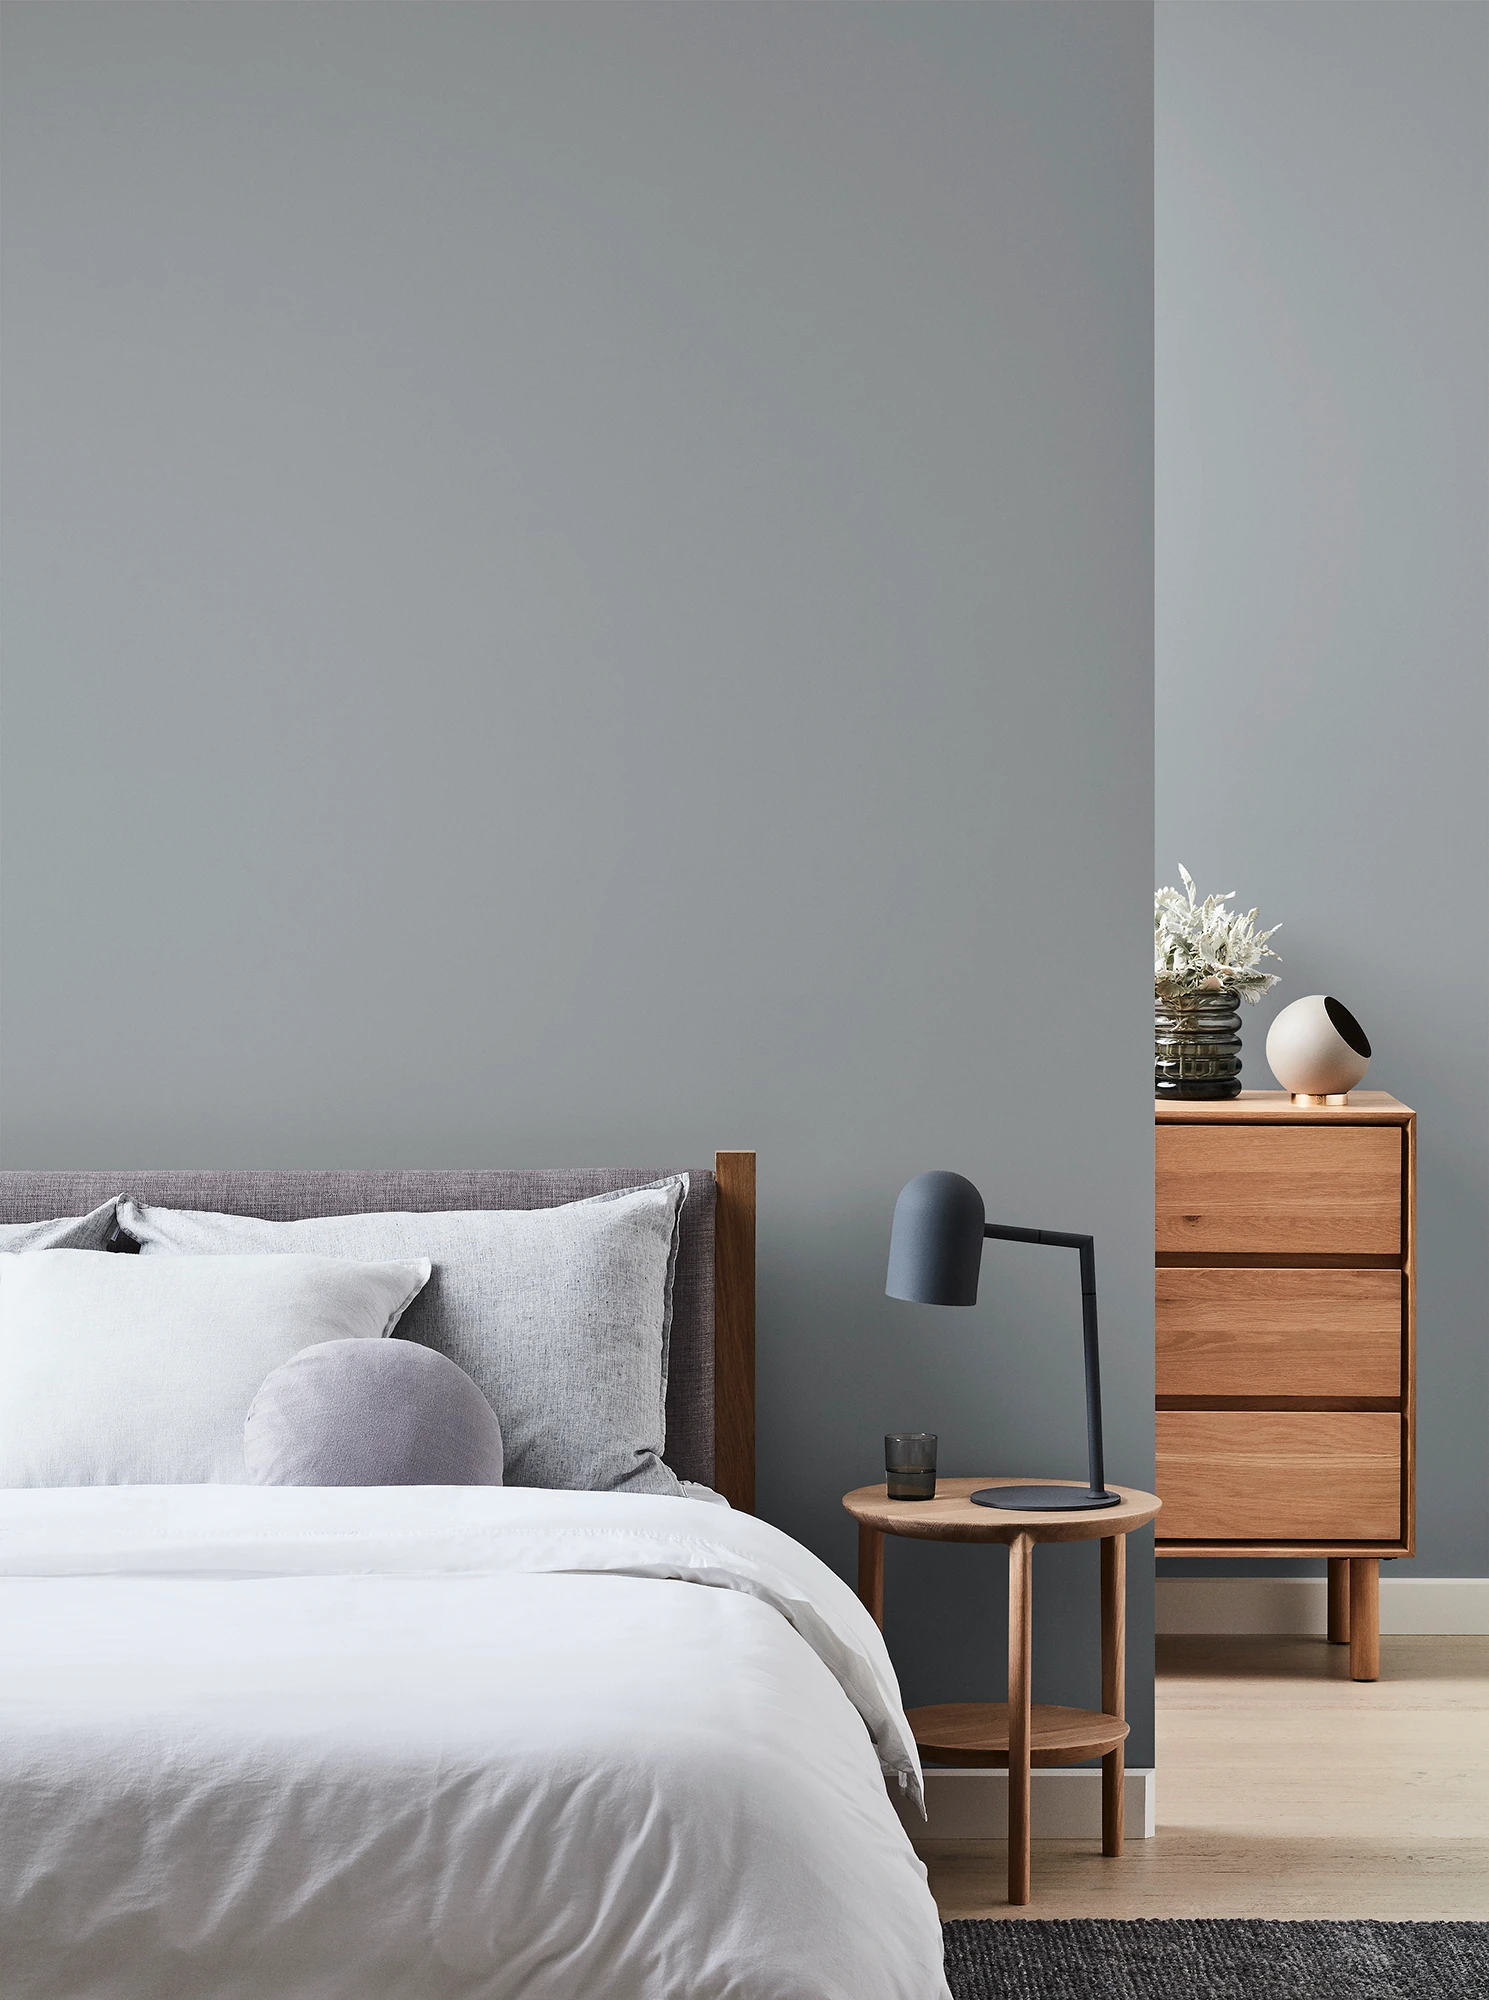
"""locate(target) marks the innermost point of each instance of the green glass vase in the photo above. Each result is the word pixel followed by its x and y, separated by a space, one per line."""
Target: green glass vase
pixel 1197 1045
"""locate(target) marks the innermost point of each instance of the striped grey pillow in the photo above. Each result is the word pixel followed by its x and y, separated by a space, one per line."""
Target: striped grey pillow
pixel 68 1232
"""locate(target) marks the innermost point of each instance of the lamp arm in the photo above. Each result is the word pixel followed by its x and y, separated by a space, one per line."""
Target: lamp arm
pixel 1005 1232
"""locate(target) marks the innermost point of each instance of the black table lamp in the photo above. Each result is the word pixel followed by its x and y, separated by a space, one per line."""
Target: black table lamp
pixel 935 1253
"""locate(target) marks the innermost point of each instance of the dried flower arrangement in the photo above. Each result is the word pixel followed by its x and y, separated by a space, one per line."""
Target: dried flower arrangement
pixel 1205 948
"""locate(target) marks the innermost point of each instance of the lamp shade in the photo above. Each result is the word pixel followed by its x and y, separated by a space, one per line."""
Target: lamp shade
pixel 935 1246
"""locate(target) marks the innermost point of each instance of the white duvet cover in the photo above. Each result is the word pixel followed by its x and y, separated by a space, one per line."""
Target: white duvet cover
pixel 425 1742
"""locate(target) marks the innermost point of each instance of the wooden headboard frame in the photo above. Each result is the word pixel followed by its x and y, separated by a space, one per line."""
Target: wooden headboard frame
pixel 734 1328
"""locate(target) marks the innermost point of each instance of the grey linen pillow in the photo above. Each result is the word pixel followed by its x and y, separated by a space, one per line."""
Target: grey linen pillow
pixel 371 1413
pixel 68 1232
pixel 559 1315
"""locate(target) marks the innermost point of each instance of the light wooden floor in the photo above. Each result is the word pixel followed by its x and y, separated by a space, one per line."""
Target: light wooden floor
pixel 1285 1789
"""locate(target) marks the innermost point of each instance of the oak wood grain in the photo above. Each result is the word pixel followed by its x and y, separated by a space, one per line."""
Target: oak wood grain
pixel 1409 1239
pixel 1020 1685
pixel 1275 1107
pixel 1264 1188
pixel 951 1516
pixel 734 1329
pixel 1113 1684
pixel 1364 1619
pixel 1283 1546
pixel 1279 1332
pixel 1239 1475
pixel 975 1733
pixel 1271 1260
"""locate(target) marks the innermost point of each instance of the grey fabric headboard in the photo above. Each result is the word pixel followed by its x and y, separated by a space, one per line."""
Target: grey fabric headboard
pixel 289 1195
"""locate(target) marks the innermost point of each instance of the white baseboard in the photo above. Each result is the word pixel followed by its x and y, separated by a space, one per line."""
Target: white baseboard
pixel 1288 1604
pixel 1063 1805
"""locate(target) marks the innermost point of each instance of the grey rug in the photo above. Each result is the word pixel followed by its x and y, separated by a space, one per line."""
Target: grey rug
pixel 1223 1959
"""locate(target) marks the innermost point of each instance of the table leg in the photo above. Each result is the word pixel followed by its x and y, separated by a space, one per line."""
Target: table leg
pixel 1113 1683
pixel 1364 1618
pixel 871 1572
pixel 1338 1600
pixel 1020 1637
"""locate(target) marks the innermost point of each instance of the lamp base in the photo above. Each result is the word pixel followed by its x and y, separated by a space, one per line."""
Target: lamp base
pixel 1043 1499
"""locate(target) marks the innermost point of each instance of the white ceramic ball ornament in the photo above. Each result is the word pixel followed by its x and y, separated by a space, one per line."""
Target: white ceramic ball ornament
pixel 1317 1049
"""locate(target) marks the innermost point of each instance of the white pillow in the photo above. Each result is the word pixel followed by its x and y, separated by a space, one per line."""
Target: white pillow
pixel 123 1371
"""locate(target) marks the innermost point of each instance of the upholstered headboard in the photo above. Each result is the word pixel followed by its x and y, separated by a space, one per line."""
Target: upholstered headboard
pixel 711 1379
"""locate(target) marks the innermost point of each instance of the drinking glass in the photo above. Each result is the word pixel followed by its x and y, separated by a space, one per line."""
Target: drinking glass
pixel 910 1464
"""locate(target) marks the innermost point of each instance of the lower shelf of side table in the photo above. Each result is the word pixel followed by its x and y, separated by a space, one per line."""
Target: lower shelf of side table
pixel 976 1732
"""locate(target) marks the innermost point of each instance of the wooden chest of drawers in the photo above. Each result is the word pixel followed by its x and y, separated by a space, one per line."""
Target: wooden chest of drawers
pixel 1286 1333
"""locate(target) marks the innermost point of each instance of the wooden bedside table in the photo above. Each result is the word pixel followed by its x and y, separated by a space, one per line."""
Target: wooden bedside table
pixel 1018 1733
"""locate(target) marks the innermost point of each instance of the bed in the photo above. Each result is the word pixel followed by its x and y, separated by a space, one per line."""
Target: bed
pixel 361 1743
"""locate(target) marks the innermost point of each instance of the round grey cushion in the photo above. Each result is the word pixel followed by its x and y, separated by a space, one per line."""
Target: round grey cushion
pixel 371 1413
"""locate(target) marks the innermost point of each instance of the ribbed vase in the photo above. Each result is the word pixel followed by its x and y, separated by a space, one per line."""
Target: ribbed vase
pixel 1197 1045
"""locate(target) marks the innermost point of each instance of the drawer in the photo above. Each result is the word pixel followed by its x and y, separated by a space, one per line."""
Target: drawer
pixel 1264 1189
pixel 1279 1475
pixel 1279 1332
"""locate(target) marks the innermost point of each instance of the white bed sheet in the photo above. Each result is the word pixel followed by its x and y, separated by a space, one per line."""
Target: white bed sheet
pixel 362 1744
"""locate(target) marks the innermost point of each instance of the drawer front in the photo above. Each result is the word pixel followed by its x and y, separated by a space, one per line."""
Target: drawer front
pixel 1264 1189
pixel 1279 1475
pixel 1279 1333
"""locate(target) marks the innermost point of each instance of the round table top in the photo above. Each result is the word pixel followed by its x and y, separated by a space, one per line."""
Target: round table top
pixel 951 1516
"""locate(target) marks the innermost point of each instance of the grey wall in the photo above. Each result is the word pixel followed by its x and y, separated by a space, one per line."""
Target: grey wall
pixel 1322 326
pixel 578 589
